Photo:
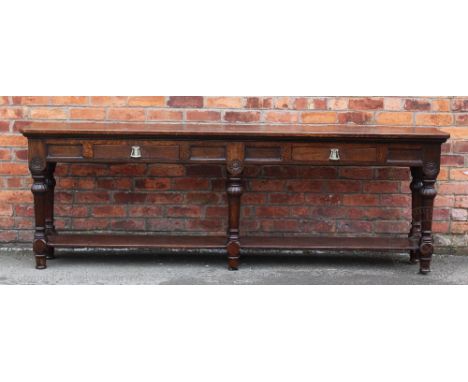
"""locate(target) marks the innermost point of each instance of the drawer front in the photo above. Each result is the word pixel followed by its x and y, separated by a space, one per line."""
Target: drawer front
pixel 335 153
pixel 145 151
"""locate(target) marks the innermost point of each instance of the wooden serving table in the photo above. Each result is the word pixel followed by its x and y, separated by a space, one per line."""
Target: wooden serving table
pixel 234 145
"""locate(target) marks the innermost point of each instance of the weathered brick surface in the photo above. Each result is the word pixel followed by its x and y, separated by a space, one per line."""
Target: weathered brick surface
pixel 277 199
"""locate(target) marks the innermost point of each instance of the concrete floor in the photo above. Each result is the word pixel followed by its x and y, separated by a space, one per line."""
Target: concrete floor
pixel 88 267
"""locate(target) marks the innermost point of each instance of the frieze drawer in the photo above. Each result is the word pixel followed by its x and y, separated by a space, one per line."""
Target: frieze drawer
pixel 135 151
pixel 335 153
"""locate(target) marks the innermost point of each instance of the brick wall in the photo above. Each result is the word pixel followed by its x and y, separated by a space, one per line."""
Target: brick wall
pixel 278 200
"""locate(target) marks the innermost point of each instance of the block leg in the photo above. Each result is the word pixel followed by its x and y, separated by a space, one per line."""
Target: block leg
pixel 415 231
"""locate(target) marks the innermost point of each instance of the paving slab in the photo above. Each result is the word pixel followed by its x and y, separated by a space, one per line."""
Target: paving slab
pixel 116 268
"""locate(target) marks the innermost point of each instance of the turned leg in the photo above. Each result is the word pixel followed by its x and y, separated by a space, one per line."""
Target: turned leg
pixel 415 231
pixel 428 193
pixel 234 191
pixel 39 190
pixel 49 206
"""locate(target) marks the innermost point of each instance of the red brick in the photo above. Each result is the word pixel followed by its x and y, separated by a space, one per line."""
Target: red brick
pixel 185 101
pixel 224 102
pixel 87 224
pixel 130 197
pixel 206 225
pixel 24 210
pixel 461 119
pixel 16 196
pixel 460 214
pixel 4 100
pixel 166 170
pixel 252 198
pixel 329 199
pixel 319 117
pixel 259 103
pixel 281 116
pixel 127 114
pixel 67 210
pixel 459 174
pixel 106 211
pixel 31 100
pixel 86 184
pixel 128 169
pixel 164 115
pixel 167 225
pixel 6 210
pixel 347 186
pixel 128 225
pixel 355 117
pixel 304 185
pixel 69 100
pixel 452 188
pixel 165 198
pixel 319 103
pixel 159 101
pixel 360 200
pixel 267 185
pixel 5 154
pixel 21 154
pixel 283 225
pixel 190 184
pixel 283 102
pixel 460 104
pixel 88 113
pixel 109 101
pixel 355 226
pixel 394 118
pixel 14 169
pixel 13 141
pixel 440 227
pixel 315 227
pixel 8 236
pixel 452 160
pixel 459 227
pixel 417 105
pixel 272 211
pixel 393 173
pixel 440 105
pixel 184 211
pixel 356 172
pixel 145 211
pixel 218 211
pixel 242 116
pixel 435 119
pixel 366 103
pixel 391 226
pixel 377 213
pixel 285 198
pixel 49 113
pixel 337 103
pixel 11 113
pixel 460 201
pixel 460 147
pixel 203 115
pixel 204 170
pixel 205 198
pixel 4 126
pixel 92 197
pixel 153 184
pixel 301 103
pixel 381 187
pixel 88 169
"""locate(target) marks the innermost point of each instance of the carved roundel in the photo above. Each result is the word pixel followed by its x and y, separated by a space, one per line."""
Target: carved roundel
pixel 36 164
pixel 430 168
pixel 235 167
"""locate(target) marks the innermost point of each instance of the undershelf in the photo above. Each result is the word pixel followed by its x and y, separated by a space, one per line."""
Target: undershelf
pixel 70 240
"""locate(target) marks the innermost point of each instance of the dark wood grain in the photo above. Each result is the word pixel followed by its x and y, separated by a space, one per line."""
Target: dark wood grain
pixel 234 145
pixel 71 240
pixel 228 131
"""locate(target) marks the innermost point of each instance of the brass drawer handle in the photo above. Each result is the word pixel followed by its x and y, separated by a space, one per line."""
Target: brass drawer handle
pixel 136 152
pixel 334 154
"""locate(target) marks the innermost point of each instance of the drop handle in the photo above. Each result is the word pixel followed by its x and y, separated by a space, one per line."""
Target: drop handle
pixel 136 152
pixel 334 154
